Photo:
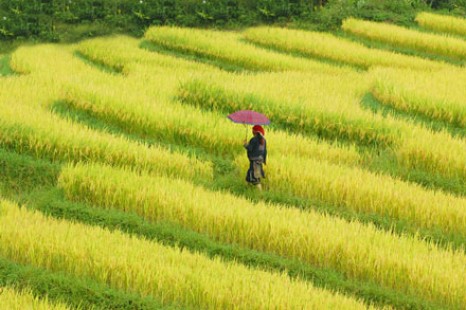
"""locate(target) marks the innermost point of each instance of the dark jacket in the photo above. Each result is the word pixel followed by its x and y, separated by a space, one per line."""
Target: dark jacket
pixel 257 148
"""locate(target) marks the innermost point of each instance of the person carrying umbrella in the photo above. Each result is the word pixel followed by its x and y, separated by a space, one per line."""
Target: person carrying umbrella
pixel 257 155
pixel 257 146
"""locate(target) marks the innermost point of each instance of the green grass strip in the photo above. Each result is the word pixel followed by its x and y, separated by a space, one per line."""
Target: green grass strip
pixel 76 292
pixel 53 203
pixel 5 69
pixel 19 173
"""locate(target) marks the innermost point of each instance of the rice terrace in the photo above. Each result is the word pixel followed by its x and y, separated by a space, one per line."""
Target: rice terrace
pixel 122 181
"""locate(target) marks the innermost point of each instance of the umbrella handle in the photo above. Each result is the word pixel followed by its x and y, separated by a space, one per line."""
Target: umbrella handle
pixel 246 126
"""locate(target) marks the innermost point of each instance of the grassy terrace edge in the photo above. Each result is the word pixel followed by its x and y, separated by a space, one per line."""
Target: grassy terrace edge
pixel 5 69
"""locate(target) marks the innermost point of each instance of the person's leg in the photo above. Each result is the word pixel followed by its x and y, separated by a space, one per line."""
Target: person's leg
pixel 250 173
pixel 257 167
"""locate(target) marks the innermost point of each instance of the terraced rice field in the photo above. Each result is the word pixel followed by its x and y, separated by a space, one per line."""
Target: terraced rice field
pixel 122 181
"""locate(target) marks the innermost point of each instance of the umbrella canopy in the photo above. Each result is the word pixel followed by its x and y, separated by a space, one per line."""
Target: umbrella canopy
pixel 249 117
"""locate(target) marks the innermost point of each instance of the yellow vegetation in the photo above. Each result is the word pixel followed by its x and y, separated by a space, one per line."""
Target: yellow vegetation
pixel 137 265
pixel 11 299
pixel 442 23
pixel 403 37
pixel 227 47
pixel 328 46
pixel 359 251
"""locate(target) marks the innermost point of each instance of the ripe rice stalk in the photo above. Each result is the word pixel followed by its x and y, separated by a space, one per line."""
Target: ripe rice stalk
pixel 436 44
pixel 332 116
pixel 438 153
pixel 299 107
pixel 149 116
pixel 442 23
pixel 227 47
pixel 124 54
pixel 437 95
pixel 20 300
pixel 361 251
pixel 358 190
pixel 43 134
pixel 328 46
pixel 171 275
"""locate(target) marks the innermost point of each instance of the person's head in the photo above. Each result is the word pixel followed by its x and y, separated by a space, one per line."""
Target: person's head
pixel 258 129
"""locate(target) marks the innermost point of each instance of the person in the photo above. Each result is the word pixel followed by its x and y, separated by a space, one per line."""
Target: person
pixel 257 155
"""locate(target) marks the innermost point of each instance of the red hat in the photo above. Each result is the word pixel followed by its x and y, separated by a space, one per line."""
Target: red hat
pixel 258 128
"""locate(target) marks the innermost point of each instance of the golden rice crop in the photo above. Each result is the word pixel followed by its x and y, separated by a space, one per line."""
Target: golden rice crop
pixel 133 100
pixel 144 70
pixel 403 263
pixel 324 104
pixel 51 61
pixel 53 66
pixel 154 117
pixel 227 46
pixel 142 99
pixel 362 191
pixel 29 90
pixel 403 37
pixel 442 23
pixel 43 134
pixel 45 69
pixel 439 153
pixel 325 45
pixel 125 54
pixel 137 265
pixel 438 95
pixel 315 104
pixel 11 299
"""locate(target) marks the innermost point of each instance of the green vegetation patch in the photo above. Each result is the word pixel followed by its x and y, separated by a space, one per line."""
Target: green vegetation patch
pixel 22 173
pixel 5 69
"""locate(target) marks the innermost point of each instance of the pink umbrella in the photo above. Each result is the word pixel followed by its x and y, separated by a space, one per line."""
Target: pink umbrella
pixel 249 117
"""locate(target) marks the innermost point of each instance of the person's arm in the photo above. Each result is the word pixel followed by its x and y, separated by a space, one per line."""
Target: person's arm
pixel 265 154
pixel 247 145
pixel 251 145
